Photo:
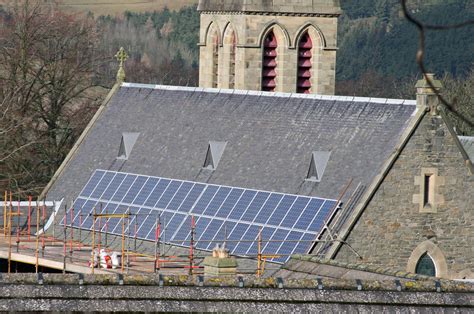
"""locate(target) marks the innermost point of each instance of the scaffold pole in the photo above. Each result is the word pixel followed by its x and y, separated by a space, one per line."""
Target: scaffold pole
pixel 37 237
pixel 29 217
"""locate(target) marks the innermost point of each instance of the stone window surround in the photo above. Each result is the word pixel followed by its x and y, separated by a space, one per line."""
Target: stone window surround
pixel 435 182
pixel 436 255
pixel 286 54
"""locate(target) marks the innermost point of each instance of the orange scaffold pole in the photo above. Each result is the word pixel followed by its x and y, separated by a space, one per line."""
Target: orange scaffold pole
pixel 72 231
pixel 29 217
pixel 10 235
pixel 18 227
pixel 37 237
pixel 5 214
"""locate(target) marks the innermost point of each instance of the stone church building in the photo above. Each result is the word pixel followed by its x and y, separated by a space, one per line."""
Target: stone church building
pixel 404 179
pixel 277 46
pixel 418 213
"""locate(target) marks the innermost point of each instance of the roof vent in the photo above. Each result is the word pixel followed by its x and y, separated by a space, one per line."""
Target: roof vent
pixel 214 154
pixel 126 145
pixel 319 160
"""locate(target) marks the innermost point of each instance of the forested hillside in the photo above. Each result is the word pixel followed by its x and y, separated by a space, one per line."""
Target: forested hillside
pixel 375 40
pixel 113 7
pixel 377 37
pixel 162 45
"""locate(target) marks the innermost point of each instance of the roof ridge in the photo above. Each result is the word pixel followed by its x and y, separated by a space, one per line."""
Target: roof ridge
pixel 388 101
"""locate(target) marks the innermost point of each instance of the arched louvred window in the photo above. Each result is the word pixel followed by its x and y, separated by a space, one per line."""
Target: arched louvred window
pixel 269 74
pixel 233 47
pixel 305 47
pixel 426 266
pixel 215 60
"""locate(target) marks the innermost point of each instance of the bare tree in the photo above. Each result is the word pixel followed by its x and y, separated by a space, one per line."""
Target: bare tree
pixel 48 71
pixel 450 107
pixel 460 94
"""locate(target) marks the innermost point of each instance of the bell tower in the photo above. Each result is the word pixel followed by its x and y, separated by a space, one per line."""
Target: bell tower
pixel 269 45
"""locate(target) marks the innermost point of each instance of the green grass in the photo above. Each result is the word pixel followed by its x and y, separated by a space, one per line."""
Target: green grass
pixel 114 7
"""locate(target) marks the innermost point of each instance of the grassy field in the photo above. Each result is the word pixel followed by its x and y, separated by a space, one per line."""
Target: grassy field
pixel 113 7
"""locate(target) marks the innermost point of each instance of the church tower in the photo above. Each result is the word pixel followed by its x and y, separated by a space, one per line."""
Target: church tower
pixel 269 45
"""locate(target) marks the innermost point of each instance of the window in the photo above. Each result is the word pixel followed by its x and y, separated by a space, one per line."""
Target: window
pixel 426 266
pixel 428 190
pixel 233 47
pixel 215 60
pixel 269 65
pixel 429 196
pixel 305 47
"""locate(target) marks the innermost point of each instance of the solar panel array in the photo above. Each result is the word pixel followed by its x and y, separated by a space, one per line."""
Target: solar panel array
pixel 290 222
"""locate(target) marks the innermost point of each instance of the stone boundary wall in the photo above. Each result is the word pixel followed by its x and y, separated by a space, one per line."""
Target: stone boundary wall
pixel 53 292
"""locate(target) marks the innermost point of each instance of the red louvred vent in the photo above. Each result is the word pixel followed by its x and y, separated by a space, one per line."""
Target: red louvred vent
pixel 269 82
pixel 270 53
pixel 269 63
pixel 305 47
pixel 269 72
pixel 270 41
pixel 304 83
pixel 304 63
pixel 305 53
pixel 306 43
pixel 304 73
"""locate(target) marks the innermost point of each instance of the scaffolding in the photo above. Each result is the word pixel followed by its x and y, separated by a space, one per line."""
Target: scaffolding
pixel 38 244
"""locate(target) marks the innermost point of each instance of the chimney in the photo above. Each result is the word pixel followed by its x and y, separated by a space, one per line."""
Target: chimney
pixel 220 263
pixel 426 98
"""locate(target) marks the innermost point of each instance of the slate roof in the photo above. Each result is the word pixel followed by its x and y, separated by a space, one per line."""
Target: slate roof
pixel 270 138
pixel 468 144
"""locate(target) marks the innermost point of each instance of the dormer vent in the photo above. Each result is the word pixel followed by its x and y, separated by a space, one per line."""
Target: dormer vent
pixel 126 145
pixel 214 154
pixel 319 161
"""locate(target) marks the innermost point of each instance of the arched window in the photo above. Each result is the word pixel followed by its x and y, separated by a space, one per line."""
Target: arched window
pixel 233 47
pixel 425 266
pixel 269 65
pixel 215 60
pixel 305 55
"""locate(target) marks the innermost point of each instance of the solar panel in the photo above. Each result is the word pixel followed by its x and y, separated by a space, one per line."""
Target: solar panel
pixel 220 212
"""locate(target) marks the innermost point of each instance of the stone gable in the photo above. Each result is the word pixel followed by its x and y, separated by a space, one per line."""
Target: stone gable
pixel 397 226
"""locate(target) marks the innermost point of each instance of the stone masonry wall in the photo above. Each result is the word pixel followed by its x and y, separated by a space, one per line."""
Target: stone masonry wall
pixel 250 30
pixel 286 6
pixel 22 292
pixel 394 229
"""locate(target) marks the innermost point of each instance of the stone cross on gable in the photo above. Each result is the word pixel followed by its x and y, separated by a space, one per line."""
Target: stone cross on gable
pixel 121 56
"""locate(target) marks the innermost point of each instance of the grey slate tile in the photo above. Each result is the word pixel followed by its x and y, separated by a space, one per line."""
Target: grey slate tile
pixel 269 139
